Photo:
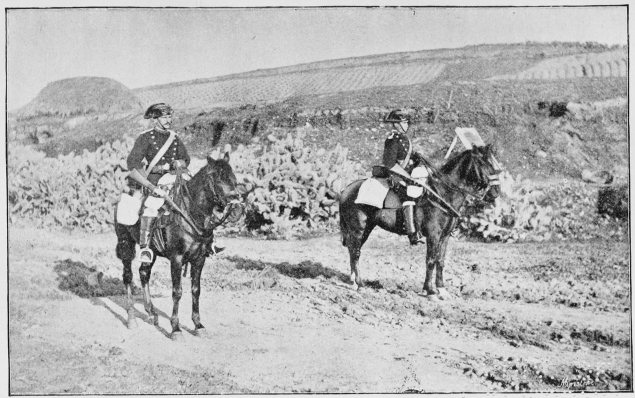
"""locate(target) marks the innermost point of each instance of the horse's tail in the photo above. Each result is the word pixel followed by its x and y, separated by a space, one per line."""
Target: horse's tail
pixel 346 200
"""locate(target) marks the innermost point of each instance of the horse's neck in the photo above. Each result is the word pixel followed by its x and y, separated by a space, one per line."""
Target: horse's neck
pixel 195 197
pixel 449 192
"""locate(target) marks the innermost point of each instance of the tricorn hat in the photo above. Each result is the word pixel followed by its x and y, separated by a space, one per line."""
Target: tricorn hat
pixel 158 110
pixel 397 116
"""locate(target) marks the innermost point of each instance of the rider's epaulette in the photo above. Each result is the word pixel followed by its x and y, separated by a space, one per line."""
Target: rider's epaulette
pixel 145 131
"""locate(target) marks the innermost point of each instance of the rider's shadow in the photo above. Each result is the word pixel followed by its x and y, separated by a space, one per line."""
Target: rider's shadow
pixel 77 278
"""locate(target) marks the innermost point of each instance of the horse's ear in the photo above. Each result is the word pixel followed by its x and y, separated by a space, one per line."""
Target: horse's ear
pixel 226 157
pixel 213 156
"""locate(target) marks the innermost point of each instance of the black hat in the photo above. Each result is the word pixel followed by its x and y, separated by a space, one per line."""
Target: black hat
pixel 397 116
pixel 158 110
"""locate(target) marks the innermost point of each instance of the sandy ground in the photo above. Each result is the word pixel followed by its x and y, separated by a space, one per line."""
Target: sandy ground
pixel 281 318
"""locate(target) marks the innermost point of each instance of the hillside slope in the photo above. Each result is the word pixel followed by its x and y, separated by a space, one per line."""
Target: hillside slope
pixel 505 91
pixel 528 61
pixel 81 96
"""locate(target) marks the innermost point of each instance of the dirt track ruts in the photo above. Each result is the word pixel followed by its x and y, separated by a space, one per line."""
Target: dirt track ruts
pixel 281 318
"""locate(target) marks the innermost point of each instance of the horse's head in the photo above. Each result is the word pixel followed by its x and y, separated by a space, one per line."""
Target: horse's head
pixel 478 169
pixel 220 182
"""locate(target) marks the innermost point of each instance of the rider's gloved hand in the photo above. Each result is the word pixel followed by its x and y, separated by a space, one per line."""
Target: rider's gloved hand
pixel 159 169
pixel 178 164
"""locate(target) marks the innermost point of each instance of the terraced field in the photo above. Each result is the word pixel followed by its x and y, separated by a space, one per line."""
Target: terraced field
pixel 278 87
pixel 606 64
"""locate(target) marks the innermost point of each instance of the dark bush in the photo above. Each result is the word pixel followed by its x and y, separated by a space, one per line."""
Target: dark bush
pixel 613 201
pixel 557 109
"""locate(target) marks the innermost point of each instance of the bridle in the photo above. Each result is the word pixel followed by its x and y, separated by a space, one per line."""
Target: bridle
pixel 205 233
pixel 479 195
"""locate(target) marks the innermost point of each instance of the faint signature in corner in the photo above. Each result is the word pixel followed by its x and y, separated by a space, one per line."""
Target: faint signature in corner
pixel 575 384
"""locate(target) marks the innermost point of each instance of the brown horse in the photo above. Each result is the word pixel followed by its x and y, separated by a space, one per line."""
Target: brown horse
pixel 208 198
pixel 472 173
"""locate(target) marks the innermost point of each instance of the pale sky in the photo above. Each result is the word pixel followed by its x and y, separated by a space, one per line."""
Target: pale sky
pixel 141 47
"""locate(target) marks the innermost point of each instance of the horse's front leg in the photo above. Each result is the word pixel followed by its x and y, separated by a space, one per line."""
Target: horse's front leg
pixel 440 263
pixel 432 258
pixel 127 281
pixel 197 269
pixel 145 270
pixel 176 263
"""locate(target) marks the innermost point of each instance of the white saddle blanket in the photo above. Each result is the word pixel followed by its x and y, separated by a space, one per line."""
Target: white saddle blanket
pixel 372 192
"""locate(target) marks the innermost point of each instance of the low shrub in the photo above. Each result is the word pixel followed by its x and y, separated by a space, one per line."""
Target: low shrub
pixel 70 191
pixel 528 212
pixel 296 187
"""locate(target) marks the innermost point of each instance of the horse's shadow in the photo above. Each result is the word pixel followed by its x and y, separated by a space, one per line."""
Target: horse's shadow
pixel 77 278
pixel 312 270
pixel 303 270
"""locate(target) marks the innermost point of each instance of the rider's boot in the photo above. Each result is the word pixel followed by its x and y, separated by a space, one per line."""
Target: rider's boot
pixel 145 229
pixel 213 248
pixel 414 235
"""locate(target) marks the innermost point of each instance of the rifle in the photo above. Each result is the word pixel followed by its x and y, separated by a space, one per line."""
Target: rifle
pixel 141 179
pixel 411 181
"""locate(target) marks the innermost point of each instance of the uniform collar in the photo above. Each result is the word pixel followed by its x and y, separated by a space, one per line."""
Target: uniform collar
pixel 159 130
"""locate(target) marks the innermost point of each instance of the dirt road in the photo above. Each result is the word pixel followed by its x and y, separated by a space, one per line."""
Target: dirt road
pixel 281 318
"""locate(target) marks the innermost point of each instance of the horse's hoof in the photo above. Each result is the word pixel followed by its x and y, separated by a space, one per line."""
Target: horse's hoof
pixel 433 297
pixel 201 332
pixel 132 323
pixel 176 336
pixel 355 287
pixel 444 294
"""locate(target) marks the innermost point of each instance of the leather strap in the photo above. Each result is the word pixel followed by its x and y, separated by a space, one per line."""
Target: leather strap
pixel 404 163
pixel 161 152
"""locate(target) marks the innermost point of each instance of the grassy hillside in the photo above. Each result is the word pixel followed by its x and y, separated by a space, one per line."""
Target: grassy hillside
pixel 82 96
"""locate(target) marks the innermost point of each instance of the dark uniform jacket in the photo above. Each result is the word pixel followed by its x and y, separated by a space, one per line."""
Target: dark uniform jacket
pixel 396 149
pixel 148 145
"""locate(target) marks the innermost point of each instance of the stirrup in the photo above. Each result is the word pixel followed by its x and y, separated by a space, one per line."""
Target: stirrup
pixel 416 238
pixel 146 255
pixel 216 249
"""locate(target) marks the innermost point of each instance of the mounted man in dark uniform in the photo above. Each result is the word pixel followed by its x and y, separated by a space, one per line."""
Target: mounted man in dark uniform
pixel 156 153
pixel 400 157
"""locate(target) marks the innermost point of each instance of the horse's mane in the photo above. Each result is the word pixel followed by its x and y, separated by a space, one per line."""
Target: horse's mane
pixel 469 165
pixel 220 166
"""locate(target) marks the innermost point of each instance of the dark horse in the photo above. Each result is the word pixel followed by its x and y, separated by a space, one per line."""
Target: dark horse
pixel 472 173
pixel 206 198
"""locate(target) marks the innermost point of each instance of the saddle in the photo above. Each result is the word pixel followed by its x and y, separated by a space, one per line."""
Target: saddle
pixel 380 193
pixel 384 190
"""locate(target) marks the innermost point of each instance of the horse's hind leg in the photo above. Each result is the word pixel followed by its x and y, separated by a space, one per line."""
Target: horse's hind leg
pixel 145 271
pixel 354 241
pixel 126 252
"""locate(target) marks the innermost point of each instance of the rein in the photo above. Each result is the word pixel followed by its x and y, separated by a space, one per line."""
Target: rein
pixel 201 233
pixel 440 177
